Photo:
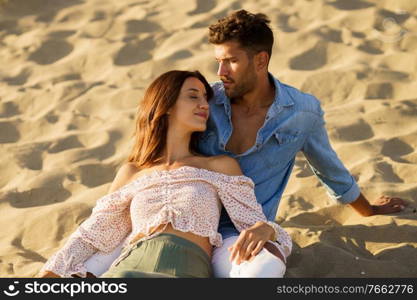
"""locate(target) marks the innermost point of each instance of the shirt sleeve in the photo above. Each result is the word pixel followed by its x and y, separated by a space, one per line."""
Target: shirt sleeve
pixel 238 197
pixel 107 226
pixel 326 165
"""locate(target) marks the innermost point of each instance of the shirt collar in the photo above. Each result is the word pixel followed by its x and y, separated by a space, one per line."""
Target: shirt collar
pixel 282 97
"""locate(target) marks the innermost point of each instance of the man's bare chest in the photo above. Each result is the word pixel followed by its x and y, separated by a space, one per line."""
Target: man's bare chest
pixel 244 134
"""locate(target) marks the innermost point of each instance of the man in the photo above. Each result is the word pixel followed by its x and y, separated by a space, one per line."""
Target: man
pixel 263 123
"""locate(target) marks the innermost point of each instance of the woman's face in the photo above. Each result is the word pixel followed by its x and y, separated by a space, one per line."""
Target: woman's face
pixel 191 110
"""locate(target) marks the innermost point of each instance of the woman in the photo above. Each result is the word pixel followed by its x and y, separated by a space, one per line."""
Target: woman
pixel 167 198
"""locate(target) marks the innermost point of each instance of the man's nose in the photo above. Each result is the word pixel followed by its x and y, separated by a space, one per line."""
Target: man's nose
pixel 221 71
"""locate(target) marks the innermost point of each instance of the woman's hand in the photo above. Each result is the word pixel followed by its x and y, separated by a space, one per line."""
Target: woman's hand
pixel 48 274
pixel 251 241
pixel 88 275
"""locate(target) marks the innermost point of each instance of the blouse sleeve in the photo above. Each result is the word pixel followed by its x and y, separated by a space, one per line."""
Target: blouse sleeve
pixel 238 197
pixel 107 226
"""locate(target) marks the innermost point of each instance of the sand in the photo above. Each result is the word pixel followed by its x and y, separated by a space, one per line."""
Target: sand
pixel 72 73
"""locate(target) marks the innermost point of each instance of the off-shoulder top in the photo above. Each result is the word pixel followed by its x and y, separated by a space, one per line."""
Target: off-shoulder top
pixel 189 198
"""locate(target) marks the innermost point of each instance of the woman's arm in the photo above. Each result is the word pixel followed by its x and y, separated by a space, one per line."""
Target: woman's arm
pixel 238 197
pixel 102 231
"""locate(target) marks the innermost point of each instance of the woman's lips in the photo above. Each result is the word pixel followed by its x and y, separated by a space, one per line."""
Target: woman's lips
pixel 203 115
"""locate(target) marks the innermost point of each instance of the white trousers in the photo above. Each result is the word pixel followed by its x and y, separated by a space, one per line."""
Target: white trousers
pixel 100 262
pixel 264 265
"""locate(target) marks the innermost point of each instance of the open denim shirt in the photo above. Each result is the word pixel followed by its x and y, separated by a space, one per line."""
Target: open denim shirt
pixel 294 122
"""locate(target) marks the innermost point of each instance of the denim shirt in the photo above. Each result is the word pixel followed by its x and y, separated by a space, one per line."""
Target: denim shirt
pixel 294 122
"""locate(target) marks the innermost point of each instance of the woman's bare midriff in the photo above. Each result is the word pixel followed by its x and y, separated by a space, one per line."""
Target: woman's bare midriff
pixel 201 241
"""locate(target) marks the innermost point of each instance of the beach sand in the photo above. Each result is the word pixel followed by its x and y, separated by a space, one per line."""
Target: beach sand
pixel 72 73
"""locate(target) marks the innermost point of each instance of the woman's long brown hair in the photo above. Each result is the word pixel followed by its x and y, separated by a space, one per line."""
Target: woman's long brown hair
pixel 152 121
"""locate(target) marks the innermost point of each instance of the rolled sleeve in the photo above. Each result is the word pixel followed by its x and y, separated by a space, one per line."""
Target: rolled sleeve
pixel 326 165
pixel 347 197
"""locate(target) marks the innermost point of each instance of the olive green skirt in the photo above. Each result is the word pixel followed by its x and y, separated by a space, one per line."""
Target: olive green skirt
pixel 163 256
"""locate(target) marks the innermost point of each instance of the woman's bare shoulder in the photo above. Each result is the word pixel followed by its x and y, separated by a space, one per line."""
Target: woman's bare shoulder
pixel 125 173
pixel 225 164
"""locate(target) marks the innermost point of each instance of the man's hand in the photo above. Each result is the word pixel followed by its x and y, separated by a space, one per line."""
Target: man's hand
pixel 382 205
pixel 250 242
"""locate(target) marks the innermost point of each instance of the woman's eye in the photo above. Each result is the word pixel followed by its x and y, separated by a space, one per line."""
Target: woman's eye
pixel 193 97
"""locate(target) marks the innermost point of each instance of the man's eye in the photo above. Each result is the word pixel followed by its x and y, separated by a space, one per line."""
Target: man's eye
pixel 194 97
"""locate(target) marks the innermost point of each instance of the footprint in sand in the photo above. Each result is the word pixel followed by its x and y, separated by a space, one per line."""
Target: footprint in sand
pixel 61 34
pixel 382 90
pixel 400 17
pixel 8 109
pixel 312 59
pixel 387 173
pixel 51 51
pixel 372 46
pixel 45 11
pixel 139 26
pixel 340 86
pixel 389 75
pixel 66 143
pixel 351 4
pixel 19 79
pixel 52 118
pixel 10 27
pixel 8 132
pixel 356 132
pixel 283 22
pixel 98 16
pixel 394 148
pixel 30 155
pixel 407 107
pixel 303 169
pixel 134 52
pixel 25 252
pixel 66 77
pixel 93 175
pixel 38 196
pixel 330 34
pixel 203 6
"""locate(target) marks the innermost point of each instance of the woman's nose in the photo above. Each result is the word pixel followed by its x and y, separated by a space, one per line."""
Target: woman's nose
pixel 204 106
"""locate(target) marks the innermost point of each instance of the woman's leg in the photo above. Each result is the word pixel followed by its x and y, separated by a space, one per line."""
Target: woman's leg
pixel 100 262
pixel 165 255
pixel 264 265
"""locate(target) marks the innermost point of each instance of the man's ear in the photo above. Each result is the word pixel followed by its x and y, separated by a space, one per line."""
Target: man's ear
pixel 261 60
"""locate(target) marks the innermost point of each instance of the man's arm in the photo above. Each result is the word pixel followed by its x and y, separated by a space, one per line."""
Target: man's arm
pixel 339 183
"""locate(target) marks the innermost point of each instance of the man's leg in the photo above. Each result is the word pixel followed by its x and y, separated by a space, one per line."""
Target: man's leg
pixel 264 265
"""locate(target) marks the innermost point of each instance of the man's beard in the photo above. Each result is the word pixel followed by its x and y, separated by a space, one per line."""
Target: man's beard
pixel 245 85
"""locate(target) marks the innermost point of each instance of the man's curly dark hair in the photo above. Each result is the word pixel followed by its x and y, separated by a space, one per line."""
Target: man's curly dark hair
pixel 251 31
